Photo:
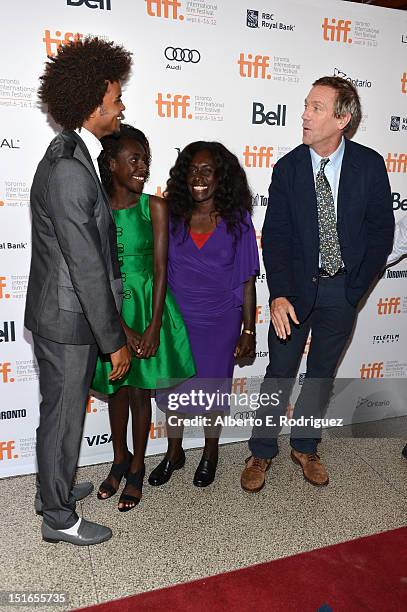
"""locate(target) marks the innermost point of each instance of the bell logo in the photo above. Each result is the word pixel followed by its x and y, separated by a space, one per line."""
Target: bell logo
pixel 396 162
pixel 271 118
pixel 260 158
pixel 389 306
pixel 3 289
pixel 92 4
pixel 174 107
pixel 372 370
pixel 254 68
pixel 8 332
pixel 336 31
pixel 52 44
pixel 6 449
pixel 161 8
pixel 404 83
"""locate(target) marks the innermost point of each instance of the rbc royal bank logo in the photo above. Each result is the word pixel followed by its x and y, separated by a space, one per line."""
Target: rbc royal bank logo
pixel 175 106
pixel 334 30
pixel 92 4
pixel 252 19
pixel 52 43
pixel 167 9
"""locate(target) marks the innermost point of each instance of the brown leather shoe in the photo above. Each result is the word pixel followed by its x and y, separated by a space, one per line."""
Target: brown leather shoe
pixel 312 468
pixel 253 477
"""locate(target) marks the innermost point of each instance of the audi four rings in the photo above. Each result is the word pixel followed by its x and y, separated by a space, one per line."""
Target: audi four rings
pixel 182 55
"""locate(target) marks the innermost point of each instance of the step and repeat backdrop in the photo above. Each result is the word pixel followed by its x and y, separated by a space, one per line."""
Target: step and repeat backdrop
pixel 234 71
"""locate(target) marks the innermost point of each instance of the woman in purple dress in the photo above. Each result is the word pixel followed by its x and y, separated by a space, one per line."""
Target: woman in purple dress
pixel 212 267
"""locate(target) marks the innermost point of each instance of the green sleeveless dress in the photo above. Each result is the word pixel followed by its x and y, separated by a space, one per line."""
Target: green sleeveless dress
pixel 173 359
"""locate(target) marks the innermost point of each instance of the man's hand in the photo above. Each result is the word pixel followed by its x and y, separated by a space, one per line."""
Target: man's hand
pixel 120 363
pixel 280 310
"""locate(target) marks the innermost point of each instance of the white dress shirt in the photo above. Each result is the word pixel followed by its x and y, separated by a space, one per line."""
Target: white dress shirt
pixel 400 241
pixel 93 145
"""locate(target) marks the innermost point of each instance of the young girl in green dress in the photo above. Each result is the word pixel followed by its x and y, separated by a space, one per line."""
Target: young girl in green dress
pixel 155 331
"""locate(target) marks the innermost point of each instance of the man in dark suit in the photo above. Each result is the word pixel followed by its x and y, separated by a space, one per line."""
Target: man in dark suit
pixel 74 289
pixel 326 236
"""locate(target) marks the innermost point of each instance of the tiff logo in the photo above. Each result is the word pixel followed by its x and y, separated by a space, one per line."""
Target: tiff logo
pixel 239 385
pixel 372 370
pixel 175 107
pixel 92 4
pixel 254 68
pixel 164 8
pixel 157 431
pixel 52 44
pixel 5 371
pixel 3 288
pixel 403 81
pixel 6 449
pixel 260 158
pixel 336 31
pixel 389 306
pixel 89 407
pixel 396 162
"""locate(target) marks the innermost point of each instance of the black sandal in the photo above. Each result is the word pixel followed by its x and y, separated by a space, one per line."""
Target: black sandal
pixel 118 470
pixel 136 480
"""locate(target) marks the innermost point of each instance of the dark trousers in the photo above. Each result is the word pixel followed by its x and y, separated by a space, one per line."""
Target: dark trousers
pixel 331 323
pixel 66 372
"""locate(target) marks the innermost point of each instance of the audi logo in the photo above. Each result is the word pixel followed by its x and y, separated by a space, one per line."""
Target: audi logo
pixel 176 54
pixel 245 415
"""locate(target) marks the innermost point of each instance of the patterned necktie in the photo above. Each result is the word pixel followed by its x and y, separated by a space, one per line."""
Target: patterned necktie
pixel 329 248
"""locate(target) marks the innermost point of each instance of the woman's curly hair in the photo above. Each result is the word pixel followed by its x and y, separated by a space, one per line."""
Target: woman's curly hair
pixel 75 81
pixel 113 144
pixel 232 196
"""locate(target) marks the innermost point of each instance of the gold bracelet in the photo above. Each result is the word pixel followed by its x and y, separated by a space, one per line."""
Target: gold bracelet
pixel 249 331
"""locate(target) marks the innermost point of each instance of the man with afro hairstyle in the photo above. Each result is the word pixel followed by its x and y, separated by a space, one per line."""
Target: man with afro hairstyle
pixel 74 290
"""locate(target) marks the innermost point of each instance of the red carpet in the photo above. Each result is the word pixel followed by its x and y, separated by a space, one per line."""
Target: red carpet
pixel 365 574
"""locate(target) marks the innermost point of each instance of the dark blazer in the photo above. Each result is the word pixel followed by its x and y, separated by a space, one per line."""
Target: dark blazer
pixel 290 236
pixel 74 290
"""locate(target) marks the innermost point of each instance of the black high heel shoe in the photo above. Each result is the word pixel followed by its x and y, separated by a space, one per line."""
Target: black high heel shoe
pixel 135 480
pixel 118 470
pixel 163 472
pixel 205 472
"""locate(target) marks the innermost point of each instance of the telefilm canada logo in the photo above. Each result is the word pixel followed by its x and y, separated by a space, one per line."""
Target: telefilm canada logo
pixel 269 21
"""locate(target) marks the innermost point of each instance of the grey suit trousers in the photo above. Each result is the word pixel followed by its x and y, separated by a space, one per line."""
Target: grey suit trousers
pixel 66 372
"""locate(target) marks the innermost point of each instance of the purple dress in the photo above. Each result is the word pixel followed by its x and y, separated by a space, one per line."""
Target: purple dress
pixel 207 284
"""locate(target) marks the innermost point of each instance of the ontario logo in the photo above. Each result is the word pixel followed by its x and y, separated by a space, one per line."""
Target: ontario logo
pixel 355 81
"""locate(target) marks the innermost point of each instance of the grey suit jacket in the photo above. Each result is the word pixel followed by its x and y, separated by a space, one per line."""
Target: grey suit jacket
pixel 74 289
